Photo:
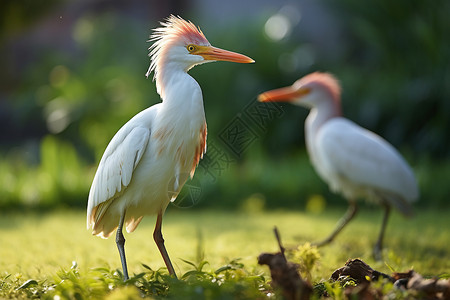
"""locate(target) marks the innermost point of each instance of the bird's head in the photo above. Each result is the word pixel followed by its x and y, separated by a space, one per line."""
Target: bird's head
pixel 312 90
pixel 180 44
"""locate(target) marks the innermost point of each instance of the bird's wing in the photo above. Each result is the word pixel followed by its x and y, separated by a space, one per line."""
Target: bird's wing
pixel 116 167
pixel 364 158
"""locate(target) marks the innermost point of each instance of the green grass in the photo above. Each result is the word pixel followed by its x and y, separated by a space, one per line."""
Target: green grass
pixel 43 247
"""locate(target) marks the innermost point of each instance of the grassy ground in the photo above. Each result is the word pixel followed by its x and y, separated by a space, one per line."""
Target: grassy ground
pixel 38 246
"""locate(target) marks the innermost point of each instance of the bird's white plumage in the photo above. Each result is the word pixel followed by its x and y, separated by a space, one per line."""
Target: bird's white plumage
pixel 149 159
pixel 119 160
pixel 359 163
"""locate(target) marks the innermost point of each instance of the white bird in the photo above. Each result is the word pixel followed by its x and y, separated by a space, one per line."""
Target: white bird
pixel 352 160
pixel 150 158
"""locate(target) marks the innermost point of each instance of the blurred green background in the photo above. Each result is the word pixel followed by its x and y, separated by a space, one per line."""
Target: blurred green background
pixel 72 73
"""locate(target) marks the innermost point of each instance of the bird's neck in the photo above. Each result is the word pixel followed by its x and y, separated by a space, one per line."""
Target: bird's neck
pixel 165 77
pixel 173 80
pixel 181 95
pixel 321 113
pixel 317 117
pixel 169 74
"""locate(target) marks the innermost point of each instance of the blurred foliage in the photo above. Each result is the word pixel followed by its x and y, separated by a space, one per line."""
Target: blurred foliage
pixel 402 51
pixel 16 15
pixel 392 59
pixel 59 178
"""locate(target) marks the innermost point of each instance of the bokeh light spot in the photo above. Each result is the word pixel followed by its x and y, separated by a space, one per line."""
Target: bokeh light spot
pixel 277 27
pixel 59 76
pixel 57 120
pixel 254 204
pixel 83 31
pixel 57 115
pixel 315 204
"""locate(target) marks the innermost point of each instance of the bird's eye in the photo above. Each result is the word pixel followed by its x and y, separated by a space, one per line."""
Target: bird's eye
pixel 190 48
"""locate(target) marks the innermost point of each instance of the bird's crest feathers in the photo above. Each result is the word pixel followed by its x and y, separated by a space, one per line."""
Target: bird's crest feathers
pixel 326 80
pixel 173 29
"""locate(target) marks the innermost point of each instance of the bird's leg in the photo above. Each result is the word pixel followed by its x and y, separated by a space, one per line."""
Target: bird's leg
pixel 377 250
pixel 351 212
pixel 159 240
pixel 120 241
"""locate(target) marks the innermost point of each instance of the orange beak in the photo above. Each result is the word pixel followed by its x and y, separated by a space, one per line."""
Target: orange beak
pixel 213 53
pixel 285 94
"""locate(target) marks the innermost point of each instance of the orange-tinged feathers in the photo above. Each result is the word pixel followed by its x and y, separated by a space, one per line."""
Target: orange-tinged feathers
pixel 326 80
pixel 201 148
pixel 173 29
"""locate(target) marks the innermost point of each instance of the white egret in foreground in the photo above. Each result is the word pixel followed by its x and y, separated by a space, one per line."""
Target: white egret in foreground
pixel 150 158
pixel 352 160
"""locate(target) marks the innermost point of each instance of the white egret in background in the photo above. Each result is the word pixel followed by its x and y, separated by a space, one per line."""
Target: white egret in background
pixel 150 158
pixel 352 160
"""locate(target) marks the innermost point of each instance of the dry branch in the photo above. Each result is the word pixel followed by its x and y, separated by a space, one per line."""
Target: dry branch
pixel 285 274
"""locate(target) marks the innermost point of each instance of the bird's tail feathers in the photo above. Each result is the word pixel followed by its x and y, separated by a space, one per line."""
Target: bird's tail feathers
pixel 132 223
pixel 103 220
pixel 399 203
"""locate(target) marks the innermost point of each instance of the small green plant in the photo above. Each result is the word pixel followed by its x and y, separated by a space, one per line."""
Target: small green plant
pixel 231 281
pixel 308 257
pixel 334 290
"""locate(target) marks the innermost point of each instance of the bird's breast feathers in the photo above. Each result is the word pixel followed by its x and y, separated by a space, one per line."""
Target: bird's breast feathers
pixel 185 145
